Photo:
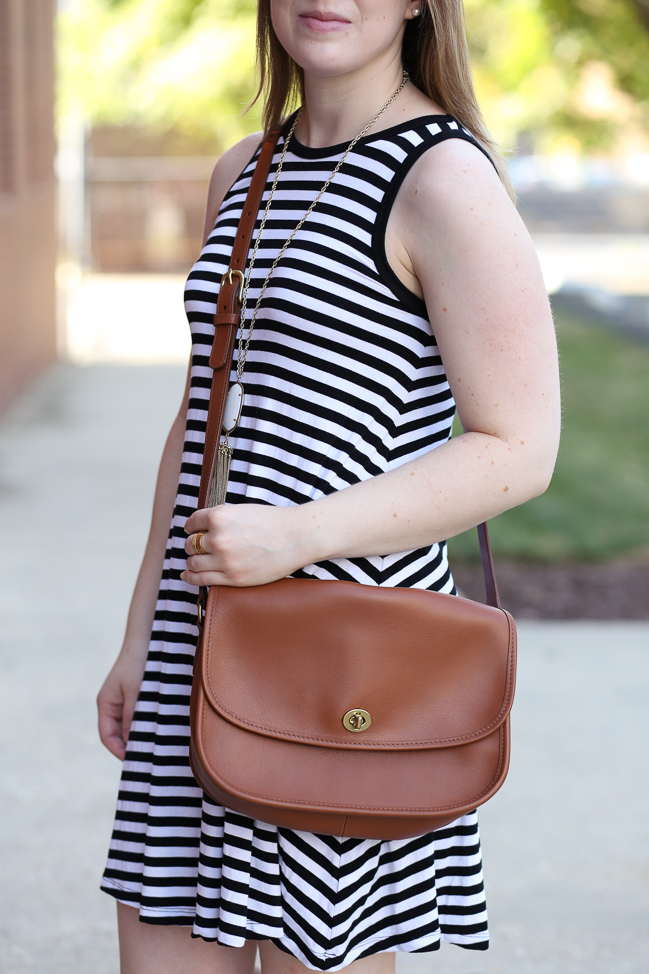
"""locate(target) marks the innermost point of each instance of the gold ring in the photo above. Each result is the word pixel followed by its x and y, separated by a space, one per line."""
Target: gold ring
pixel 197 543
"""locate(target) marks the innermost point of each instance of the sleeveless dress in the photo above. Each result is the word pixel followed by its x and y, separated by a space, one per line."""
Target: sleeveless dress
pixel 343 381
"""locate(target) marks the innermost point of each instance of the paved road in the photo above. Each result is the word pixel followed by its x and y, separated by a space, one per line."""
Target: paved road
pixel 566 842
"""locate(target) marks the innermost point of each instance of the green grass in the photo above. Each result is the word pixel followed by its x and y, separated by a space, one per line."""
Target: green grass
pixel 597 505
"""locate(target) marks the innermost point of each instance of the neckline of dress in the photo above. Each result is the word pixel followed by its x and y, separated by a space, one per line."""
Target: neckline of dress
pixel 308 152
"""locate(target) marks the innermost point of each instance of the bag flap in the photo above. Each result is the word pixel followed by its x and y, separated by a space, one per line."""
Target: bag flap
pixel 290 659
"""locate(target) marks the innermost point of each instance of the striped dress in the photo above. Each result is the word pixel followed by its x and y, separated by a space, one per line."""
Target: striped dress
pixel 343 381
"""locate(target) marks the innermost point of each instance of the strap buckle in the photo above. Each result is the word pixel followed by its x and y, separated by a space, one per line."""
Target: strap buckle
pixel 227 279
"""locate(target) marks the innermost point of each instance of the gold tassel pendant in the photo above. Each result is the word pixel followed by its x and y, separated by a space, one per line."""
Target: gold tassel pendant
pixel 219 488
pixel 231 417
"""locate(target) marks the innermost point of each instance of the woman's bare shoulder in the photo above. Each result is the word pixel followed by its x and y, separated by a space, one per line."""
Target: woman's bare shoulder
pixel 454 172
pixel 224 174
pixel 453 207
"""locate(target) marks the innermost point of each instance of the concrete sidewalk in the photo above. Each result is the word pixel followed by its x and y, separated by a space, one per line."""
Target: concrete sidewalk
pixel 566 842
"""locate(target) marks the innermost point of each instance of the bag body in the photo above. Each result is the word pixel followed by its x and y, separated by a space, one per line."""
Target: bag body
pixel 335 707
pixel 425 680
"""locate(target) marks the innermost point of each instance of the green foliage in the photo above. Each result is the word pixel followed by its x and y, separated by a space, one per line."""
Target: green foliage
pixel 187 64
pixel 529 59
pixel 597 505
pixel 520 87
pixel 604 30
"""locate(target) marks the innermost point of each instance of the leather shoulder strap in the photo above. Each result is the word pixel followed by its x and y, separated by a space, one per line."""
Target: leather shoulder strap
pixel 488 570
pixel 226 321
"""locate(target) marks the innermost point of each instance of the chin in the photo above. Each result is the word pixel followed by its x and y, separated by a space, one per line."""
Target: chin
pixel 325 60
pixel 324 68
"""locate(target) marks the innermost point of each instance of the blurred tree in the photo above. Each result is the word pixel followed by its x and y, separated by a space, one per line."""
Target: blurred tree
pixel 614 33
pixel 550 73
pixel 183 64
pixel 643 10
pixel 562 73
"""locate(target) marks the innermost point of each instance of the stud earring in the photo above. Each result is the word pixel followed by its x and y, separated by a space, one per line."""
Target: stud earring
pixel 415 12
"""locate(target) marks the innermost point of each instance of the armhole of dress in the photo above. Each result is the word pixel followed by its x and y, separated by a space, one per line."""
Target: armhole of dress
pixel 251 162
pixel 412 302
pixel 228 194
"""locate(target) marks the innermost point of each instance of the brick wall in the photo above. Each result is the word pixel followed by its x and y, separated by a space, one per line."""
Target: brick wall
pixel 27 193
pixel 146 213
pixel 145 198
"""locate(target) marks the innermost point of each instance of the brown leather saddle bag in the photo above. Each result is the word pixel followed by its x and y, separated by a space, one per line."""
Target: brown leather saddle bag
pixel 339 708
pixel 429 679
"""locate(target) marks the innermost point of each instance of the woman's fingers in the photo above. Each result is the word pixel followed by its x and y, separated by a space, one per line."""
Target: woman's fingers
pixel 202 569
pixel 116 702
pixel 206 578
pixel 112 740
pixel 110 714
pixel 130 702
pixel 199 520
pixel 204 563
pixel 204 525
pixel 199 539
pixel 245 544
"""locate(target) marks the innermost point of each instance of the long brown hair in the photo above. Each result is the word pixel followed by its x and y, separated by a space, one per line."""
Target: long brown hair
pixel 435 54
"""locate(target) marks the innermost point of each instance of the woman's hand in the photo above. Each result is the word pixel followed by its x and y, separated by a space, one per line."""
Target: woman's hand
pixel 247 544
pixel 117 699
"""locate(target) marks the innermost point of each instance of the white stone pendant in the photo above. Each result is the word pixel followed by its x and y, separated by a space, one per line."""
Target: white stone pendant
pixel 233 405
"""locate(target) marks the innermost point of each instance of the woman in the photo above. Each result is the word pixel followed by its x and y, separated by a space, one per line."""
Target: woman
pixel 412 284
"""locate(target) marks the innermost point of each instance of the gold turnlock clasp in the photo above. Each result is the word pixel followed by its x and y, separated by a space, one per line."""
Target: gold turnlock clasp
pixel 356 721
pixel 227 279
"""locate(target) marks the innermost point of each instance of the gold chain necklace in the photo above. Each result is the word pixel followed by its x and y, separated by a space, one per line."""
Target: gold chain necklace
pixel 234 401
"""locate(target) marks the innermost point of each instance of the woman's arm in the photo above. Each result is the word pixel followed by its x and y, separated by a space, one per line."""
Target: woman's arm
pixel 460 237
pixel 118 696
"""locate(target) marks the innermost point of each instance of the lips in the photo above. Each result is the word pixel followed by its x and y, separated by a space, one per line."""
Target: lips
pixel 323 22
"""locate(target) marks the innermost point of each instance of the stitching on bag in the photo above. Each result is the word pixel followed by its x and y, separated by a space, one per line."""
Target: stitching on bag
pixel 377 808
pixel 369 745
pixel 366 808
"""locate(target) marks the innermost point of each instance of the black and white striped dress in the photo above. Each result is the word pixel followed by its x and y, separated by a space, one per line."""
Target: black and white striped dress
pixel 343 381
